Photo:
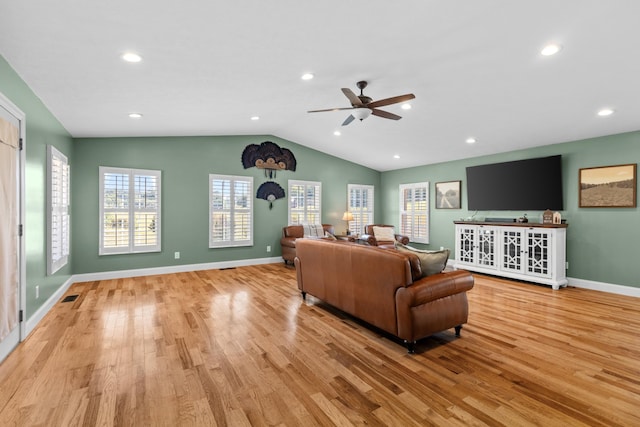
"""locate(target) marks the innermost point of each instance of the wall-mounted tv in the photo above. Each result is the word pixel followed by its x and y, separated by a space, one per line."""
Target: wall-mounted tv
pixel 521 185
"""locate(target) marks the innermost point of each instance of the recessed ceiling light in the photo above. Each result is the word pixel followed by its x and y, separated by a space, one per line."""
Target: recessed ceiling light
pixel 255 118
pixel 396 156
pixel 135 115
pixel 337 133
pixel 406 106
pixel 550 49
pixel 307 76
pixel 605 112
pixel 131 57
pixel 470 141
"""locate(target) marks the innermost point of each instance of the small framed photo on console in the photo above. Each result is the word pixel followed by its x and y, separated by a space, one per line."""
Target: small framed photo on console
pixel 448 195
pixel 608 187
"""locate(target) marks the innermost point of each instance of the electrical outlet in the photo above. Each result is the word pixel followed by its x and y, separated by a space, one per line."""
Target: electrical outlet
pixel 37 291
pixel 566 265
pixel 268 248
pixel 442 248
pixel 176 255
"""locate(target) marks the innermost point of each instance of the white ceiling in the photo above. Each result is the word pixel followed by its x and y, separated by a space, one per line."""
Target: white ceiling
pixel 208 66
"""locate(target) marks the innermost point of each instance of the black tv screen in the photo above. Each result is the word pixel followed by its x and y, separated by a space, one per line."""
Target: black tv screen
pixel 531 184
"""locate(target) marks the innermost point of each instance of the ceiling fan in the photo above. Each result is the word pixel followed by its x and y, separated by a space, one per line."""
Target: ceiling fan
pixel 362 106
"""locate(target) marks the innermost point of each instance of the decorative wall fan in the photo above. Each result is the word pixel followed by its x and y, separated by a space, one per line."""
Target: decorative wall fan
pixel 362 106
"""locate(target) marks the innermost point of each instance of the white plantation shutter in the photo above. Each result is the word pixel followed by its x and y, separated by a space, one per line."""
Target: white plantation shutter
pixel 230 211
pixel 361 205
pixel 129 210
pixel 414 211
pixel 58 210
pixel 305 202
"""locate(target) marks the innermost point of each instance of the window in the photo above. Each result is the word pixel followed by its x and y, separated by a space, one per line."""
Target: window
pixel 360 204
pixel 414 211
pixel 129 211
pixel 304 202
pixel 230 211
pixel 58 210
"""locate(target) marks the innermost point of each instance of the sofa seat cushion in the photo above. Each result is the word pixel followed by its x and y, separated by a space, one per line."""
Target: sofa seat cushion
pixel 431 262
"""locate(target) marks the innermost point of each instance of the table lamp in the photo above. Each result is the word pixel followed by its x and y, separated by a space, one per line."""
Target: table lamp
pixel 347 216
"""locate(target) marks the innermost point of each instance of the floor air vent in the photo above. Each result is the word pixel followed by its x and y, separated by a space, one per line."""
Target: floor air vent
pixel 70 298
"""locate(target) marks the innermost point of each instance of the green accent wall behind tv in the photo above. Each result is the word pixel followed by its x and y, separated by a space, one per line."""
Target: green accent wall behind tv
pixel 602 243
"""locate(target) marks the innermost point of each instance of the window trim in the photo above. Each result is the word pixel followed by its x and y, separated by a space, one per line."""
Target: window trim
pixel 131 248
pixel 361 212
pixel 232 242
pixel 56 208
pixel 318 184
pixel 413 213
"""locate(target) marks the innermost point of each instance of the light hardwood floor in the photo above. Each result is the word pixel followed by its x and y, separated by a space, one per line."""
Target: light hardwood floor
pixel 239 347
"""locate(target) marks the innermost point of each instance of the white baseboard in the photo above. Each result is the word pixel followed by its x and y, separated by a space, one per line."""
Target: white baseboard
pixel 605 287
pixel 33 321
pixel 120 274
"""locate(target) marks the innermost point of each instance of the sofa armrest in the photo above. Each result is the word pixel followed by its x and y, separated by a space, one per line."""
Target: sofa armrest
pixel 369 238
pixel 433 304
pixel 436 286
pixel 288 242
pixel 402 239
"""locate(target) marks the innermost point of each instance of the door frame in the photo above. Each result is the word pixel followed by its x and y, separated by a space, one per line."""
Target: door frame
pixel 22 269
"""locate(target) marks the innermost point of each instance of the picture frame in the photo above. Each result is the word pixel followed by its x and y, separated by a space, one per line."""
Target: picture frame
pixel 448 194
pixel 608 186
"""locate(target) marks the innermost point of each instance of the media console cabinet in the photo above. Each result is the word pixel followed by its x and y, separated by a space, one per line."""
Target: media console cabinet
pixel 525 251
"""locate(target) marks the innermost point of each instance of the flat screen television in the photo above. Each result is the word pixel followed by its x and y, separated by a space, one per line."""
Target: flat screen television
pixel 520 185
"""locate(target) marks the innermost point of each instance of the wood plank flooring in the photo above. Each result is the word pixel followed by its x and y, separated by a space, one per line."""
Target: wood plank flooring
pixel 239 347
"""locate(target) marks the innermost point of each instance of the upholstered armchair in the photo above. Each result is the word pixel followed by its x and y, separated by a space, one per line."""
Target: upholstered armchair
pixel 382 235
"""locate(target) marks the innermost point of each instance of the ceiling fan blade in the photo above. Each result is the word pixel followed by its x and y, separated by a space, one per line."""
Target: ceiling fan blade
pixel 389 101
pixel 348 120
pixel 330 109
pixel 385 114
pixel 353 98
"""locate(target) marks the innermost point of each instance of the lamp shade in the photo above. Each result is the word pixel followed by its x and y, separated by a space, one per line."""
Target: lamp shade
pixel 361 113
pixel 347 216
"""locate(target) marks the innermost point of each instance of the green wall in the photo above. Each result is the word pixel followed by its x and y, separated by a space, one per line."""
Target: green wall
pixel 186 163
pixel 601 242
pixel 42 129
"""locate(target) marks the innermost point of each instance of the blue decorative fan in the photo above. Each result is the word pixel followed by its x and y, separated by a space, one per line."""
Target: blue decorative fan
pixel 270 191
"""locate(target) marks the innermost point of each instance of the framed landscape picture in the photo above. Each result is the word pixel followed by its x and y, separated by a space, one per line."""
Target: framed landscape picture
pixel 448 195
pixel 608 187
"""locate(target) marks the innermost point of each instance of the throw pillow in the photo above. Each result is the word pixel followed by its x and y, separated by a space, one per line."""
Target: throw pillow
pixel 384 233
pixel 330 236
pixel 312 230
pixel 431 262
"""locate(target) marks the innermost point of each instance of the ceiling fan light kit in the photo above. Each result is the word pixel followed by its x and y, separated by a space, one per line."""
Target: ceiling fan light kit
pixel 361 113
pixel 363 106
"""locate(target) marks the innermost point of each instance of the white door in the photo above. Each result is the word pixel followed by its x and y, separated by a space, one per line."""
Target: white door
pixel 11 271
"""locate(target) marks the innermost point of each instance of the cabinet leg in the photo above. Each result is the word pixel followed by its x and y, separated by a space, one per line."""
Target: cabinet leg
pixel 458 329
pixel 304 295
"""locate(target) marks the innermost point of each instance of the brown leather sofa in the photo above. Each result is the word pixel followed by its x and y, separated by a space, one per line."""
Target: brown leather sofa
pixel 383 287
pixel 369 237
pixel 288 241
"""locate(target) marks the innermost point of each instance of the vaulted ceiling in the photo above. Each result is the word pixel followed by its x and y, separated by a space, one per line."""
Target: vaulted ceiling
pixel 209 66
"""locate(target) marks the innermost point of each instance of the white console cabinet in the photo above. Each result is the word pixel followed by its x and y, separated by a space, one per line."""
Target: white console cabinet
pixel 525 251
